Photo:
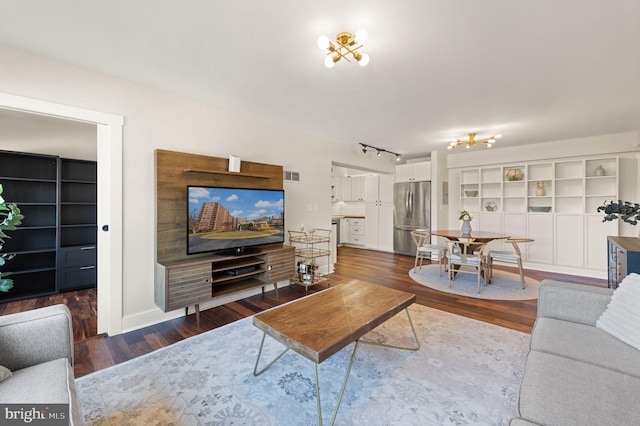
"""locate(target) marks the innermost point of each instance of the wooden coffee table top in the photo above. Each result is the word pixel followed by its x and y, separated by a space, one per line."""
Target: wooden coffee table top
pixel 319 325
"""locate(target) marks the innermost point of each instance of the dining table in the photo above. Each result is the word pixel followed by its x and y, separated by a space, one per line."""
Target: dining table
pixel 470 238
pixel 479 236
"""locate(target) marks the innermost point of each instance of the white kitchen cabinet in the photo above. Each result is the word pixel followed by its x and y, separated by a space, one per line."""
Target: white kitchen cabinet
pixel 358 188
pixel 413 172
pixel 346 189
pixel 379 213
pixel 356 231
pixel 354 188
pixel 344 231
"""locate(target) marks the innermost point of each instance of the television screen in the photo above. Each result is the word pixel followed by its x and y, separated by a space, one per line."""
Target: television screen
pixel 233 218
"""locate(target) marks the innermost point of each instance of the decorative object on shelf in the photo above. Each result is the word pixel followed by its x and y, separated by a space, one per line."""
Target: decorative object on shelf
pixel 625 210
pixel 347 44
pixel 234 164
pixel 540 185
pixel 379 150
pixel 600 171
pixel 486 142
pixel 11 219
pixel 491 206
pixel 465 217
pixel 514 175
pixel 471 193
pixel 540 209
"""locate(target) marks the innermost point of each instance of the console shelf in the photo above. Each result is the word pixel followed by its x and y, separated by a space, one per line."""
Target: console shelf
pixel 184 283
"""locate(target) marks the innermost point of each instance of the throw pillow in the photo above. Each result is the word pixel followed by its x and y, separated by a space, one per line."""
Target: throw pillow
pixel 622 316
pixel 5 373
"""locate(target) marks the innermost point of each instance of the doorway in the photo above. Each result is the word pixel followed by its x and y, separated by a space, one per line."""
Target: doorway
pixel 109 158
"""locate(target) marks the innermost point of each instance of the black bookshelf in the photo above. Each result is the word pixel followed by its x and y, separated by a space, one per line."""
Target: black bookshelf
pixel 58 198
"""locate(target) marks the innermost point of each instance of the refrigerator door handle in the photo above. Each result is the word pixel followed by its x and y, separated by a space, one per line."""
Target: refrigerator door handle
pixel 411 204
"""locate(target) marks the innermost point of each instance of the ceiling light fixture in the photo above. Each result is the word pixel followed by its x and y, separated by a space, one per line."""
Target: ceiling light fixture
pixel 487 142
pixel 379 151
pixel 346 44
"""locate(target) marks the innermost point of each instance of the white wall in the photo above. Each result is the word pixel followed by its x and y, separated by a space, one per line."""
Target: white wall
pixel 46 135
pixel 159 119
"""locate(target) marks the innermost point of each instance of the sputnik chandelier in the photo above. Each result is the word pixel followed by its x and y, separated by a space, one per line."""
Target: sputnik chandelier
pixel 487 142
pixel 365 147
pixel 346 45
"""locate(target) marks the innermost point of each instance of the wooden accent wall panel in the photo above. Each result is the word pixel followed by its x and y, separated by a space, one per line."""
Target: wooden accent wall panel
pixel 174 171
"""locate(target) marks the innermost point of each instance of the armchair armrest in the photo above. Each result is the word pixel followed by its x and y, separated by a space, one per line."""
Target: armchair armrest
pixel 572 302
pixel 36 336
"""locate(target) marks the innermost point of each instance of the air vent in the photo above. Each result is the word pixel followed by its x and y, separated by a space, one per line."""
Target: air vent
pixel 290 176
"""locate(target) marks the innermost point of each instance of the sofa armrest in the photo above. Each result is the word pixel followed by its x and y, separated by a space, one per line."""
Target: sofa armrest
pixel 572 302
pixel 36 336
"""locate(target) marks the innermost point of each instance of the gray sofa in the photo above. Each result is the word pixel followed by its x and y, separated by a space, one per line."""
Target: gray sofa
pixel 576 374
pixel 37 346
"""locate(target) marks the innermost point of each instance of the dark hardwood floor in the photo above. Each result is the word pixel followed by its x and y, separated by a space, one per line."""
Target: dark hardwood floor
pixel 94 352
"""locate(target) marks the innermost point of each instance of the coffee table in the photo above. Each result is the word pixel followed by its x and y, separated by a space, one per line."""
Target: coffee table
pixel 323 323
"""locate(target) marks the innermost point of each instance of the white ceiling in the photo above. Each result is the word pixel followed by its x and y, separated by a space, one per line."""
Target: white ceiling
pixel 533 70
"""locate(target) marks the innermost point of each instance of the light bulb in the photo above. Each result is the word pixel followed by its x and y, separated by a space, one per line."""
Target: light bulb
pixel 397 157
pixel 328 62
pixel 323 42
pixel 361 36
pixel 379 153
pixel 364 60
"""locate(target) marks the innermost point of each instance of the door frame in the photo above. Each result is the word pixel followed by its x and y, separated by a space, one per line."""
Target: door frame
pixel 109 150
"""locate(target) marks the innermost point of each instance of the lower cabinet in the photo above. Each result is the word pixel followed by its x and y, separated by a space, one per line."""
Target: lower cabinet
pixel 623 258
pixel 185 283
pixel 356 231
pixel 77 267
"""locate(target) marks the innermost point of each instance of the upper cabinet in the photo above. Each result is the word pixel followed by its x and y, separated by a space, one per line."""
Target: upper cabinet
pixel 353 188
pixel 413 172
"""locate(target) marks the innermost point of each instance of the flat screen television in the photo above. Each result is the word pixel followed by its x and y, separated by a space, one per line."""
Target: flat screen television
pixel 233 220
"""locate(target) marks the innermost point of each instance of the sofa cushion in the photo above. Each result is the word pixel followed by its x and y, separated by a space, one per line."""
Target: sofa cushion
pixel 47 383
pixel 622 316
pixel 560 391
pixel 584 343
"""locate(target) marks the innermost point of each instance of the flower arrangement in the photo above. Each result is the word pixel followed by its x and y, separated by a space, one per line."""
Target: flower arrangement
pixel 540 184
pixel 465 215
pixel 625 210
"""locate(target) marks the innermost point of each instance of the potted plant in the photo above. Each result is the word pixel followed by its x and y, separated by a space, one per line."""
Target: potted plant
pixel 625 210
pixel 10 219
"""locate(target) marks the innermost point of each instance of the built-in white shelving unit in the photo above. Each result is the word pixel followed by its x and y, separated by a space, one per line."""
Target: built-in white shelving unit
pixel 554 202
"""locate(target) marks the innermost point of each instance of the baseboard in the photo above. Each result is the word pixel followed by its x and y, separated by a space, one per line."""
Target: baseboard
pixel 156 316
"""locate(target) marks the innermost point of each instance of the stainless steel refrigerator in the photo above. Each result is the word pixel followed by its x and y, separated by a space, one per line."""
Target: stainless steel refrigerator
pixel 412 210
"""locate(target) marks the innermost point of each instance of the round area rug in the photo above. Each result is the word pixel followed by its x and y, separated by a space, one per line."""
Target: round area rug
pixel 504 285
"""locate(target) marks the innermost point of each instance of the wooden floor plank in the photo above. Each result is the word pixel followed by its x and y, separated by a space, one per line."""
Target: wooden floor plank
pixel 94 352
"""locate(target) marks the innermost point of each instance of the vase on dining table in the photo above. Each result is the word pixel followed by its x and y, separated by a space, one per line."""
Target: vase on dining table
pixel 466 227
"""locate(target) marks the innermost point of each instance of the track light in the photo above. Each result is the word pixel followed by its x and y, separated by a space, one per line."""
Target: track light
pixel 379 151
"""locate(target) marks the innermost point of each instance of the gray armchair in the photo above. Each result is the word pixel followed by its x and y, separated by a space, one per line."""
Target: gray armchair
pixel 37 346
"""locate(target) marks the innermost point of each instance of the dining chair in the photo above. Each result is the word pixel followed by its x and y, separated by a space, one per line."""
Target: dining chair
pixel 466 253
pixel 426 250
pixel 510 257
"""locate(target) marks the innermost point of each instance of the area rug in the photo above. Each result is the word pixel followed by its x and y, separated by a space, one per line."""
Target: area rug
pixel 504 285
pixel 466 372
